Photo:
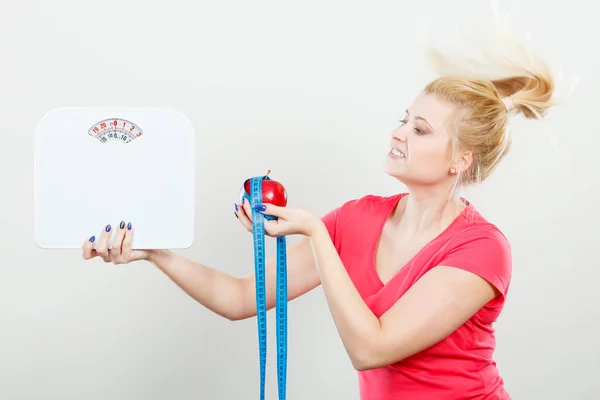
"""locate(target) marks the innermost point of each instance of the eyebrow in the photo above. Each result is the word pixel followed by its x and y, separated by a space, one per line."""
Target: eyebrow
pixel 422 119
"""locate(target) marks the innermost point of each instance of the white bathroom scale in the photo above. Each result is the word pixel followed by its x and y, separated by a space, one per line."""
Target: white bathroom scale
pixel 100 166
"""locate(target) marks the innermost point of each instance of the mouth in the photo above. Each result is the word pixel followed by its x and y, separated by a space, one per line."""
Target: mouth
pixel 397 153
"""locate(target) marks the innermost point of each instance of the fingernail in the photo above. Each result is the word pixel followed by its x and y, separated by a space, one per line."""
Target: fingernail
pixel 92 238
pixel 236 215
pixel 108 228
pixel 261 207
pixel 129 226
pixel 236 206
pixel 243 200
pixel 122 225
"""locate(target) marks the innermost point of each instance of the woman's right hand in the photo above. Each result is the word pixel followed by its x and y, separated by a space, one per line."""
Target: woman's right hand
pixel 243 211
pixel 120 252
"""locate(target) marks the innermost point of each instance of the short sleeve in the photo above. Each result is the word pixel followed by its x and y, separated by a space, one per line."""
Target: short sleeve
pixel 330 220
pixel 336 219
pixel 486 253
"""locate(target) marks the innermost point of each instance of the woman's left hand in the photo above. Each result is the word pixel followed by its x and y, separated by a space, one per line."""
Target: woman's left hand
pixel 290 221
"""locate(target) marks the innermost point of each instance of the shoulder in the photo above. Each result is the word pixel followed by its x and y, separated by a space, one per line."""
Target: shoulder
pixel 476 232
pixel 479 246
pixel 369 204
pixel 358 212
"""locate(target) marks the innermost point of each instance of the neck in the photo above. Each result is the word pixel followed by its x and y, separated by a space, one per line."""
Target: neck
pixel 428 209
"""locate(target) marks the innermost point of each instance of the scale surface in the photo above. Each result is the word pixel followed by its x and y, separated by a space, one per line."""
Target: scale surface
pixel 99 166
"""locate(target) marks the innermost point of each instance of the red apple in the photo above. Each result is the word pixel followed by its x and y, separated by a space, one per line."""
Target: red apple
pixel 273 192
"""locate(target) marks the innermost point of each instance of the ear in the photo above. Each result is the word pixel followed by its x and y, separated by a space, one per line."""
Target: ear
pixel 464 162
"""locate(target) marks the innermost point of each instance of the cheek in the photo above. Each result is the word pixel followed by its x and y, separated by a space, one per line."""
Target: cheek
pixel 432 158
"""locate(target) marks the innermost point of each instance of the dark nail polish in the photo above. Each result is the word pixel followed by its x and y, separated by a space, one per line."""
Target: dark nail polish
pixel 236 206
pixel 243 200
pixel 129 226
pixel 236 215
pixel 108 228
pixel 261 207
pixel 92 238
pixel 122 225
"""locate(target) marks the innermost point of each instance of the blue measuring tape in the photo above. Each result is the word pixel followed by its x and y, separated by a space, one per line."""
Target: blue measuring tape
pixel 258 231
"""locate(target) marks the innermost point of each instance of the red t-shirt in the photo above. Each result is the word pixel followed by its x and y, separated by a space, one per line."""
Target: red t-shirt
pixel 461 366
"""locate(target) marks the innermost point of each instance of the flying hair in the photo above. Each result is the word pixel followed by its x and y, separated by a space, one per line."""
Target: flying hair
pixel 500 78
pixel 524 82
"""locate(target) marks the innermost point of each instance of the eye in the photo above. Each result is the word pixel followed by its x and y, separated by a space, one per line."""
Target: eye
pixel 416 130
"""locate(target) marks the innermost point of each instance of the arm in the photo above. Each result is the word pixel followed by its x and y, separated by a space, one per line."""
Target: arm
pixel 442 300
pixel 232 297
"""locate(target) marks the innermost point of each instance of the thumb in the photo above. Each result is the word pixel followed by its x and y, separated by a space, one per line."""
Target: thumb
pixel 271 209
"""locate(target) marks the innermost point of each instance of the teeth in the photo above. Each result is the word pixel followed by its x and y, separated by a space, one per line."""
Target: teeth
pixel 397 153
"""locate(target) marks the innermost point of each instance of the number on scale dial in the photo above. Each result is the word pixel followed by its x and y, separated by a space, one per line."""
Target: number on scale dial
pixel 115 130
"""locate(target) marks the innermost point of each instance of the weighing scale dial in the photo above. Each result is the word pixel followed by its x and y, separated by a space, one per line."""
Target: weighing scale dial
pixel 115 130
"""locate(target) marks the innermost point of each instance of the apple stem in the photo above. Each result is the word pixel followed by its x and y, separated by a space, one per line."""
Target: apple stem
pixel 268 172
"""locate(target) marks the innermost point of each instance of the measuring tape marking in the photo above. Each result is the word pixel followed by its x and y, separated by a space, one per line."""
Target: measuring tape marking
pixel 258 232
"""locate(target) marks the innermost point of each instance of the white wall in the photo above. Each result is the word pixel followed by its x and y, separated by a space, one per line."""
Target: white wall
pixel 275 78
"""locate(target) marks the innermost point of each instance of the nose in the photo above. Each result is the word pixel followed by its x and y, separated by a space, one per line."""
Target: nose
pixel 399 136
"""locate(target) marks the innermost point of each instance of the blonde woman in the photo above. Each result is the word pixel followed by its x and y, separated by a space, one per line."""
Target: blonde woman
pixel 416 280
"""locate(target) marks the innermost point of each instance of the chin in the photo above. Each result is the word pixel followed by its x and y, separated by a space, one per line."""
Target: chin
pixel 405 177
pixel 394 168
pixel 397 173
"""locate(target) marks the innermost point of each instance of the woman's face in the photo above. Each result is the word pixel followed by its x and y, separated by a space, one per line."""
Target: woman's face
pixel 420 147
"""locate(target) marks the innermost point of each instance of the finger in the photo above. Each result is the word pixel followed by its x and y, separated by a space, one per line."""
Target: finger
pixel 115 250
pixel 102 246
pixel 274 228
pixel 87 249
pixel 243 218
pixel 271 209
pixel 247 208
pixel 126 249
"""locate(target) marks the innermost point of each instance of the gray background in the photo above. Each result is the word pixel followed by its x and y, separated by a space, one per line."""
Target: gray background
pixel 311 91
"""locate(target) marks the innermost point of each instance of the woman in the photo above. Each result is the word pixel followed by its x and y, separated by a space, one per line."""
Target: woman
pixel 414 281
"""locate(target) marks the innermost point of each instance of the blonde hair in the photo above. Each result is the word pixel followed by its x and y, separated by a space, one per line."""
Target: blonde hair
pixel 505 79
